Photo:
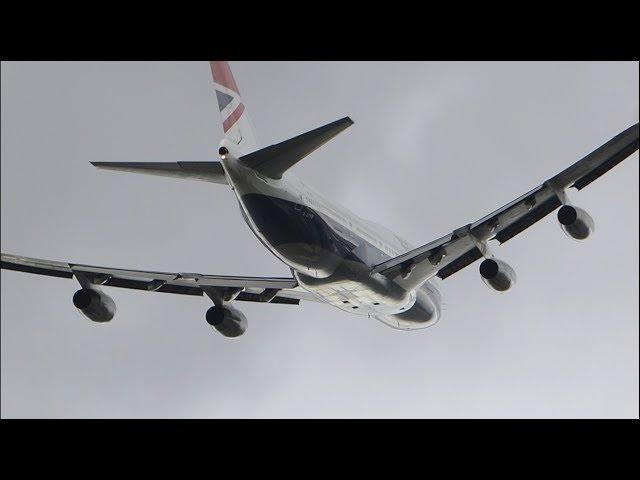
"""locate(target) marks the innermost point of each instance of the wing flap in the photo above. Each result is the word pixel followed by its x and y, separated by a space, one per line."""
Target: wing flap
pixel 255 297
pixel 459 263
pixel 524 221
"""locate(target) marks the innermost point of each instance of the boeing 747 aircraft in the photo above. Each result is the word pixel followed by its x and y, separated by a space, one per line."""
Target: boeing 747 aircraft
pixel 334 256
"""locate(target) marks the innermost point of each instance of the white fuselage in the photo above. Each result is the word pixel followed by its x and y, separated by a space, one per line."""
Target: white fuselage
pixel 329 249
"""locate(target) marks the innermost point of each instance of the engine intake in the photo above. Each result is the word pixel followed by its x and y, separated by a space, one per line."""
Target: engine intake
pixel 94 304
pixel 575 222
pixel 227 320
pixel 497 274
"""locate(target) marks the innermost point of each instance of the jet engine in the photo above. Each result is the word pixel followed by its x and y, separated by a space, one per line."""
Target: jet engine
pixel 94 304
pixel 575 222
pixel 497 274
pixel 227 320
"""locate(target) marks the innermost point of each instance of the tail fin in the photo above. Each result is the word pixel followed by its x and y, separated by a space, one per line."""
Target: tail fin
pixel 235 120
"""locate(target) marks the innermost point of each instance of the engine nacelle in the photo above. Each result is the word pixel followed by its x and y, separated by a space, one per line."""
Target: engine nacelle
pixel 94 304
pixel 575 222
pixel 497 274
pixel 229 321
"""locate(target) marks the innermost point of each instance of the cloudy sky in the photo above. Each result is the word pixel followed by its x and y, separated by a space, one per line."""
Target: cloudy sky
pixel 434 146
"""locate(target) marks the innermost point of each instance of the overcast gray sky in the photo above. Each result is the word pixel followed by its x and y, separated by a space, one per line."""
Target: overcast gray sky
pixel 434 146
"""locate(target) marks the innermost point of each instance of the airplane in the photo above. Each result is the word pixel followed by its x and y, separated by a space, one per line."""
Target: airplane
pixel 334 256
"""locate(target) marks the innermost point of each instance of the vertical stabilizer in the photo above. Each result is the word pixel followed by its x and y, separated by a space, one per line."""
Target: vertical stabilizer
pixel 235 119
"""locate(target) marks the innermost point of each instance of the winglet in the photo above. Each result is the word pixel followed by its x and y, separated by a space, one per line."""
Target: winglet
pixel 274 160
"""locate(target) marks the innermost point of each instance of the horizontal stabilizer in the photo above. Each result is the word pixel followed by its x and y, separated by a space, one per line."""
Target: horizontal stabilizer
pixel 204 171
pixel 276 159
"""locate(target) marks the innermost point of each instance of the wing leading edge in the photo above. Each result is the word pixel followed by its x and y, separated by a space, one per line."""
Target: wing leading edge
pixel 451 253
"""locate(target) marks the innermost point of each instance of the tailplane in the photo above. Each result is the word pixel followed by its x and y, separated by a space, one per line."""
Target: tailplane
pixel 235 119
pixel 276 159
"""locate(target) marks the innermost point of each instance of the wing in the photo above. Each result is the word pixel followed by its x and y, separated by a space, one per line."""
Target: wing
pixel 451 253
pixel 253 289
